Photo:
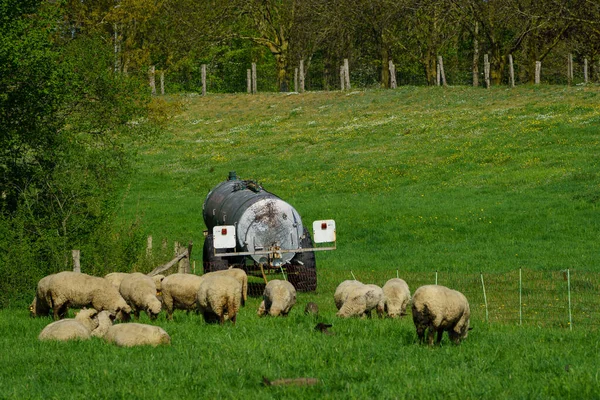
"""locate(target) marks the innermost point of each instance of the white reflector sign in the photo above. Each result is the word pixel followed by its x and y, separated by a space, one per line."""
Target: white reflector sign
pixel 324 231
pixel 224 237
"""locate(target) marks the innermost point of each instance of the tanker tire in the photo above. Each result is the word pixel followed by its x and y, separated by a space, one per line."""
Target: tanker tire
pixel 210 262
pixel 302 272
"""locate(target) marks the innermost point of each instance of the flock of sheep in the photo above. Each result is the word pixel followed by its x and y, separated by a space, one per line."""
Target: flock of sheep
pixel 218 296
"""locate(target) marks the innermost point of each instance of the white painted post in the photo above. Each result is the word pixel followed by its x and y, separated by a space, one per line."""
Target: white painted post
pixel 436 276
pixel 76 260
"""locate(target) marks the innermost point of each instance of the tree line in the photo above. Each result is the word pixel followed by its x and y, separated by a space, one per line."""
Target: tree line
pixel 180 35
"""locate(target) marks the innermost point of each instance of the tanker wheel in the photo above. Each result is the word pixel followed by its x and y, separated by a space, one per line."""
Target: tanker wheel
pixel 302 271
pixel 210 262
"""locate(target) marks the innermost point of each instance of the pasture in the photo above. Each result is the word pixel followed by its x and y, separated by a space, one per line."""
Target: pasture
pixel 462 181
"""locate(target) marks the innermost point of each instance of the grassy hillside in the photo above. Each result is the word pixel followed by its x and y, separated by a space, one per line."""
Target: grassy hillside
pixel 420 179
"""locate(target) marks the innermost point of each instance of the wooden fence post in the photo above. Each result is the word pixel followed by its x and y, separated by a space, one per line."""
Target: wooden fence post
pixel 585 71
pixel 441 63
pixel 254 86
pixel 347 73
pixel 301 76
pixel 570 69
pixel 296 80
pixel 149 246
pixel 151 76
pixel 438 74
pixel 342 78
pixel 249 80
pixel 511 71
pixel 392 68
pixel 162 82
pixel 203 79
pixel 538 72
pixel 76 260
pixel 486 70
pixel 476 56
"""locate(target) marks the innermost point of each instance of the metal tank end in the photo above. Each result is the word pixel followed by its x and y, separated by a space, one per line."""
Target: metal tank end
pixel 232 176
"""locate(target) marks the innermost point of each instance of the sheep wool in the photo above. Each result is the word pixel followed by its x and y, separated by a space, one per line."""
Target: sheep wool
pixel 219 296
pixel 180 291
pixel 75 289
pixel 42 302
pixel 361 301
pixel 78 328
pixel 238 274
pixel 396 296
pixel 437 308
pixel 116 278
pixel 105 321
pixel 139 291
pixel 134 334
pixel 278 298
pixel 342 291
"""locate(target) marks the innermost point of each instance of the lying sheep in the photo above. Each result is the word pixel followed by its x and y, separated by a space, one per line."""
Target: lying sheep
pixel 75 289
pixel 278 298
pixel 105 321
pixel 180 291
pixel 219 296
pixel 342 291
pixel 42 302
pixel 80 327
pixel 238 274
pixel 361 300
pixel 396 297
pixel 134 334
pixel 438 309
pixel 139 291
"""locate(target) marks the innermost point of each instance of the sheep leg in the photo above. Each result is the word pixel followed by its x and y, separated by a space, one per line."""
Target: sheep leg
pixel 430 335
pixel 136 314
pixel 421 333
pixel 440 332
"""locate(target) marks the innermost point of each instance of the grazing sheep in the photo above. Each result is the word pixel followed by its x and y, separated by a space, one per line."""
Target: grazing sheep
pixel 278 298
pixel 75 289
pixel 139 291
pixel 438 309
pixel 116 278
pixel 396 296
pixel 342 291
pixel 158 282
pixel 238 274
pixel 361 300
pixel 134 334
pixel 42 302
pixel 180 291
pixel 220 296
pixel 80 327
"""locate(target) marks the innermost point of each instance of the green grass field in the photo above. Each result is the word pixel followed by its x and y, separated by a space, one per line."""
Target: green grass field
pixel 457 180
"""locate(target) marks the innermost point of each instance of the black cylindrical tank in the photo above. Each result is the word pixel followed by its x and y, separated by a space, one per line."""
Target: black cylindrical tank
pixel 262 220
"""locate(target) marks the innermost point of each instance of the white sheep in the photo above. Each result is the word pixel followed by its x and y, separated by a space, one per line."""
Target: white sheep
pixel 158 282
pixel 219 296
pixel 342 291
pixel 134 334
pixel 361 300
pixel 75 289
pixel 78 328
pixel 180 291
pixel 116 278
pixel 139 291
pixel 278 298
pixel 396 296
pixel 105 321
pixel 438 309
pixel 238 274
pixel 42 302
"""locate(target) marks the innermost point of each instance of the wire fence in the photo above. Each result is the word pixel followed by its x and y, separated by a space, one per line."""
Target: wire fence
pixel 567 299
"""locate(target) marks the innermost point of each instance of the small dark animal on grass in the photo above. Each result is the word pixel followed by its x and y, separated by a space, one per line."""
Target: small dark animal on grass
pixel 323 328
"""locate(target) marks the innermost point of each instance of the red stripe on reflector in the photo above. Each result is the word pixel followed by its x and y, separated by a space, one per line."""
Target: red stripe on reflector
pixel 224 231
pixel 324 225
